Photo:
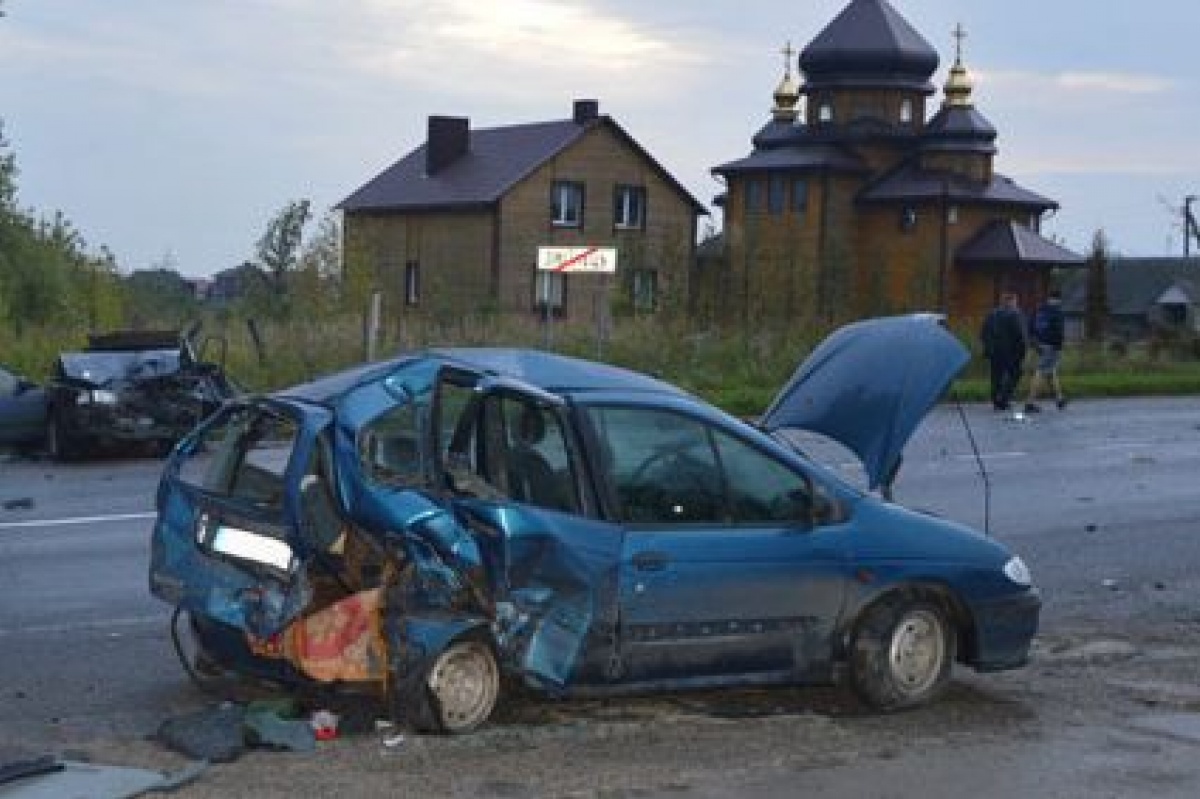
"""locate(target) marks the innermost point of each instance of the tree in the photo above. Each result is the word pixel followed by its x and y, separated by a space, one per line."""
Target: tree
pixel 279 247
pixel 1095 315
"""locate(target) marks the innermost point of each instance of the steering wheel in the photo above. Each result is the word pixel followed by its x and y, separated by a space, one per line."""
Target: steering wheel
pixel 693 477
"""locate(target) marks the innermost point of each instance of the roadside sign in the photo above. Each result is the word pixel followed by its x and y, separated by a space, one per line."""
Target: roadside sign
pixel 577 259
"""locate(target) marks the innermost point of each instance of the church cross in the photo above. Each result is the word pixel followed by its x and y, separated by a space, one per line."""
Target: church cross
pixel 959 34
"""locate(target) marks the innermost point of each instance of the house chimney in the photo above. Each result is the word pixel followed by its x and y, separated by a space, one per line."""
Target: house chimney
pixel 586 111
pixel 449 138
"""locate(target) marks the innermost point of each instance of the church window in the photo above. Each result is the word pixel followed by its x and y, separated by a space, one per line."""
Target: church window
pixel 776 187
pixel 908 219
pixel 952 215
pixel 825 111
pixel 754 196
pixel 906 111
pixel 799 195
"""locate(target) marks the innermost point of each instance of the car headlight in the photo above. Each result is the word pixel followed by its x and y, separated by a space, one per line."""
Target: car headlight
pixel 97 396
pixel 1017 571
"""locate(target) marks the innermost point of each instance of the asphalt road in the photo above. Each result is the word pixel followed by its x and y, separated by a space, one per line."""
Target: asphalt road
pixel 1100 499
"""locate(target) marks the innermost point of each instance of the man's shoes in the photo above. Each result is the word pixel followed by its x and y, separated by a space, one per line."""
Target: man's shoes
pixel 1031 408
pixel 1062 403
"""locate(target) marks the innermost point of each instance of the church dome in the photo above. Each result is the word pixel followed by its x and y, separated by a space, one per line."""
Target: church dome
pixel 869 45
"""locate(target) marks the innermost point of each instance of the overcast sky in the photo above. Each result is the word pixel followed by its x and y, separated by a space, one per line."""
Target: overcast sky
pixel 172 130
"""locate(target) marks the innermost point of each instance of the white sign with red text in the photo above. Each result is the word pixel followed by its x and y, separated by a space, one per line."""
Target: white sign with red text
pixel 577 259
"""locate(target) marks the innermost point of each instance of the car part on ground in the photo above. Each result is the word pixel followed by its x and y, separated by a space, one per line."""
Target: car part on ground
pixel 377 528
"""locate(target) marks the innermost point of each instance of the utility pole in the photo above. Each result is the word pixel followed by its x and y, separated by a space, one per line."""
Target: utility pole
pixel 1190 228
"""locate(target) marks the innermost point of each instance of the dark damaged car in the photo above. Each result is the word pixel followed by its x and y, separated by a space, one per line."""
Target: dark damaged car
pixel 427 527
pixel 130 387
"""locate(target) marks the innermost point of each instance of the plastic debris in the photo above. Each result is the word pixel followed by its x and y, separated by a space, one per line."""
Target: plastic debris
pixel 324 725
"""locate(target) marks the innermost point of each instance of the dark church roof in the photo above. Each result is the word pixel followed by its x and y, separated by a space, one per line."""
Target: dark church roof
pixel 1007 242
pixel 869 45
pixel 796 158
pixel 910 183
pixel 496 160
pixel 959 129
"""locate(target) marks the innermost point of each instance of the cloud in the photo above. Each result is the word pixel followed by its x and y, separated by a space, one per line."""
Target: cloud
pixel 516 48
pixel 1080 81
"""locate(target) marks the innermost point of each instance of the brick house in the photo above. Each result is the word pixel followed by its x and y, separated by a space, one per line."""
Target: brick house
pixel 856 202
pixel 453 227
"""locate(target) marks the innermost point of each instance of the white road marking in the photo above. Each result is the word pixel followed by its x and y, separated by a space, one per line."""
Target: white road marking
pixel 115 517
pixel 81 626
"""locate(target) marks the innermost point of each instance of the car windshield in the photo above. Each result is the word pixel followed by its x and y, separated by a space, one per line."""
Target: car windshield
pixel 101 368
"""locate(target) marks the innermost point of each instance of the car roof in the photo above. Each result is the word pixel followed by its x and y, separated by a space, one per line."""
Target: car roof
pixel 550 372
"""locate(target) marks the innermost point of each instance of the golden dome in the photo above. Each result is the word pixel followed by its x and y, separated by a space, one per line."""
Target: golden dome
pixel 959 85
pixel 787 94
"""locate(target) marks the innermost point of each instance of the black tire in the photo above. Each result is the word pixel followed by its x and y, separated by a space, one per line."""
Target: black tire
pixel 902 653
pixel 462 687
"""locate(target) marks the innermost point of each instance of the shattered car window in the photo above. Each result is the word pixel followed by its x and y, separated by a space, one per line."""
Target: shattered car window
pixel 243 456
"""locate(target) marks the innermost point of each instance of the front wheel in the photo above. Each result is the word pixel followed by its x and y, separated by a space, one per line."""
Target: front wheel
pixel 902 653
pixel 462 686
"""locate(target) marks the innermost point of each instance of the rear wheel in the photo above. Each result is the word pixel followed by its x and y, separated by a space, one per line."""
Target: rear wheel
pixel 902 653
pixel 462 686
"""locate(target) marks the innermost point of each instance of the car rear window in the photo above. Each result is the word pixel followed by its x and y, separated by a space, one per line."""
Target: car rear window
pixel 244 455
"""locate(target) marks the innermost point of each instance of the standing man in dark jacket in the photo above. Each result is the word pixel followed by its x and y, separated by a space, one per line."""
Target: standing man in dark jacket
pixel 1048 335
pixel 1004 345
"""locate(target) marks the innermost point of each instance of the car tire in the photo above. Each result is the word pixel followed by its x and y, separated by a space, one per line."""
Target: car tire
pixel 902 653
pixel 462 687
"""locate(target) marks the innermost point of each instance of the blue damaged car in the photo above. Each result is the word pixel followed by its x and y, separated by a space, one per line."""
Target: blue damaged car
pixel 435 528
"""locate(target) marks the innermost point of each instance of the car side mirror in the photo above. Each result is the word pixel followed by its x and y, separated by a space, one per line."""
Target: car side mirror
pixel 24 385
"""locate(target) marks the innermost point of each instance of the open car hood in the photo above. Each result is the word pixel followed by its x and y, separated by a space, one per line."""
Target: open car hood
pixel 869 385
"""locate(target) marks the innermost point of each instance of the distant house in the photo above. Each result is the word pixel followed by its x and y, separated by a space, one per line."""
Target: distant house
pixel 1145 296
pixel 454 226
pixel 860 197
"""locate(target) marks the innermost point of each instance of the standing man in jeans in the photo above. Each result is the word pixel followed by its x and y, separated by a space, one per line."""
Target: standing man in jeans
pixel 1047 330
pixel 1004 345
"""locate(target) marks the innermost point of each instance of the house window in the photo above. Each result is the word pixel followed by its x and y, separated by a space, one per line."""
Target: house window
pixel 754 196
pixel 549 292
pixel 645 290
pixel 906 111
pixel 629 207
pixel 775 194
pixel 566 204
pixel 412 283
pixel 799 195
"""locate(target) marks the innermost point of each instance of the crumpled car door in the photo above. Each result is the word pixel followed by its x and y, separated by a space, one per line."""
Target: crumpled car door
pixel 225 544
pixel 869 385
